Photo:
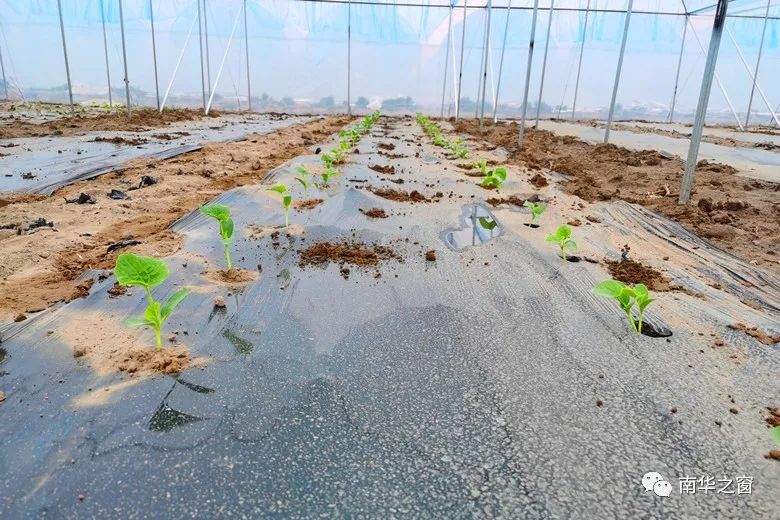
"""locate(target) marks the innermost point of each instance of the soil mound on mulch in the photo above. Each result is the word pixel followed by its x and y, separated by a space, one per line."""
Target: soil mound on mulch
pixel 630 271
pixel 353 253
pixel 374 213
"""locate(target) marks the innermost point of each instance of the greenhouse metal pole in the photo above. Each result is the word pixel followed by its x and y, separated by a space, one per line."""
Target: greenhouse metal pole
pixel 679 66
pixel 752 77
pixel 206 41
pixel 124 57
pixel 501 60
pixel 484 76
pixel 482 65
pixel 460 69
pixel 579 65
pixel 521 137
pixel 349 57
pixel 704 98
pixel 65 52
pixel 105 51
pixel 446 63
pixel 154 55
pixel 617 72
pixel 758 62
pixel 544 63
pixel 202 76
pixel 246 45
pixel 2 67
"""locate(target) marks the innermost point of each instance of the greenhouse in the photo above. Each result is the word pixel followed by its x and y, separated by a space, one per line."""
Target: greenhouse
pixel 390 258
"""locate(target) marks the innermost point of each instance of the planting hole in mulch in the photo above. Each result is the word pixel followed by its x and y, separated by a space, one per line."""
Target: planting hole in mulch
pixel 400 196
pixel 387 170
pixel 235 277
pixel 346 253
pixel 532 226
pixel 630 271
pixel 655 330
pixel 307 204
pixel 374 213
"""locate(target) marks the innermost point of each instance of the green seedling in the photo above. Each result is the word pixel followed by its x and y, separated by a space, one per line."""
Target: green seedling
pixel 480 165
pixel 494 179
pixel 626 298
pixel 460 151
pixel 562 237
pixel 303 182
pixel 327 159
pixel 776 434
pixel 303 170
pixel 487 223
pixel 222 215
pixel 148 272
pixel 536 209
pixel 338 155
pixel 286 200
pixel 327 174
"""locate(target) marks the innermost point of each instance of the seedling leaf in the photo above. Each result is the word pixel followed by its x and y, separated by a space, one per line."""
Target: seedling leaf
pixel 143 271
pixel 173 301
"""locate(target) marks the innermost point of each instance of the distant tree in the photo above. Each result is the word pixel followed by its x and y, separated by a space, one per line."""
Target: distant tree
pixel 362 102
pixel 399 103
pixel 327 102
pixel 287 101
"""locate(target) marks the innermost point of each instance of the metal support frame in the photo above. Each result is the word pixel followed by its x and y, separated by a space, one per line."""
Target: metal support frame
pixel 105 52
pixel 482 65
pixel 178 62
pixel 446 62
pixel 579 65
pixel 454 74
pixel 65 53
pixel 544 63
pixel 752 77
pixel 460 69
pixel 484 77
pixel 246 48
pixel 124 57
pixel 2 68
pixel 521 135
pixel 222 63
pixel 202 71
pixel 349 57
pixel 679 67
pixel 206 42
pixel 154 55
pixel 758 63
pixel 704 97
pixel 501 60
pixel 617 72
pixel 717 79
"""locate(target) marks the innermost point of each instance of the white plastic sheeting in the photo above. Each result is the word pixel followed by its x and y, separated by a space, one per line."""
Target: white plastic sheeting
pixel 298 54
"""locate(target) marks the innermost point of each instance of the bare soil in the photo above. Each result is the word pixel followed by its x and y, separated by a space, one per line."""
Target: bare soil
pixel 353 253
pixel 307 204
pixel 142 119
pixel 400 196
pixel 630 271
pixel 234 278
pixel 42 265
pixel 738 214
pixel 108 346
pixel 374 213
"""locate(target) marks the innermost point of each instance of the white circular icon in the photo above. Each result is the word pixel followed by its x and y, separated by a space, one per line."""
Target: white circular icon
pixel 662 488
pixel 649 480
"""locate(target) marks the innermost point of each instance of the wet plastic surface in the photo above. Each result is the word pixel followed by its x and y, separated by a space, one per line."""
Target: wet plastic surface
pixel 460 388
pixel 44 164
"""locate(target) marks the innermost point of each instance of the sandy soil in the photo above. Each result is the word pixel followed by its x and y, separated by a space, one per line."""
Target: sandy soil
pixel 139 120
pixel 737 214
pixel 42 265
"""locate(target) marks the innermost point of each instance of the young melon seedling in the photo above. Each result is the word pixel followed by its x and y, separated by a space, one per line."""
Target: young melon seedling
pixel 626 298
pixel 562 237
pixel 776 434
pixel 148 272
pixel 303 182
pixel 327 174
pixel 481 166
pixel 494 179
pixel 222 215
pixel 536 209
pixel 286 200
pixel 327 159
